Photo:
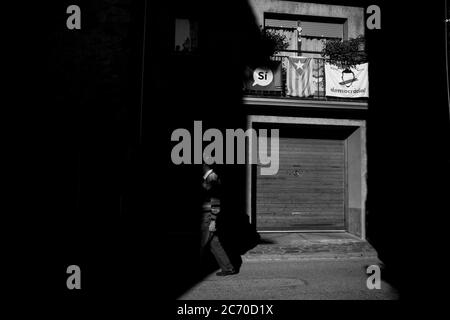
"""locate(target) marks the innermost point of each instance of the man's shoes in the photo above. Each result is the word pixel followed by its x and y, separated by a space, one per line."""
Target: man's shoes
pixel 225 273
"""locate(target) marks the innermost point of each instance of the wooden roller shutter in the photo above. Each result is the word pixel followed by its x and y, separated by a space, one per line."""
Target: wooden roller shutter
pixel 309 190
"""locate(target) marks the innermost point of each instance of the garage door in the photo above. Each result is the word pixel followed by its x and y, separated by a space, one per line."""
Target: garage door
pixel 309 190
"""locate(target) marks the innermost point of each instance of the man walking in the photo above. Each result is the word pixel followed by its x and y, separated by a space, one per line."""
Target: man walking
pixel 210 211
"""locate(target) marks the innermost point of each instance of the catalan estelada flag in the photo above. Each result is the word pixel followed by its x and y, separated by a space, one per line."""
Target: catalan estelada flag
pixel 300 77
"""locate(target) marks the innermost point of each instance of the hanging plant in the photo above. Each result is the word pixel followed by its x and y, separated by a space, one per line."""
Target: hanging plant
pixel 345 54
pixel 274 41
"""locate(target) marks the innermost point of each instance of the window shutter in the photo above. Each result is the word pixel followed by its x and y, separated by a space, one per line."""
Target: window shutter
pixel 322 29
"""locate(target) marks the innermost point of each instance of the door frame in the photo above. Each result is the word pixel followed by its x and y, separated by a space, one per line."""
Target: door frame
pixel 360 195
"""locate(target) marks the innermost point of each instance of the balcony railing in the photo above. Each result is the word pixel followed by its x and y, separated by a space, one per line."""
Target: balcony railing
pixel 280 90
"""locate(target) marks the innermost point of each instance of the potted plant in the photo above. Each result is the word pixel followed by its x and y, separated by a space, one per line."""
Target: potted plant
pixel 345 54
pixel 273 41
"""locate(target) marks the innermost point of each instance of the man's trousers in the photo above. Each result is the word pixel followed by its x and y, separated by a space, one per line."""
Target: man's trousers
pixel 212 239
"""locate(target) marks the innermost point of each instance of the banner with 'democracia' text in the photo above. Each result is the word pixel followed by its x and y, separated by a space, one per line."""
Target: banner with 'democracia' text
pixel 347 83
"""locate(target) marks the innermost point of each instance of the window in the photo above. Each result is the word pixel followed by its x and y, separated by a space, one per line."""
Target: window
pixel 186 35
pixel 314 33
pixel 305 34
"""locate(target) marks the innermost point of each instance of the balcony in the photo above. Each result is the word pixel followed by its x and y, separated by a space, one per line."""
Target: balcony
pixel 277 92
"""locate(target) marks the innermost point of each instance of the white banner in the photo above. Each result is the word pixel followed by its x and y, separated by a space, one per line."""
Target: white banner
pixel 348 83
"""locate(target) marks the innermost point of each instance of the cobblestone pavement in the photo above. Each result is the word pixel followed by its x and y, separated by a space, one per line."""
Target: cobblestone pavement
pixel 294 246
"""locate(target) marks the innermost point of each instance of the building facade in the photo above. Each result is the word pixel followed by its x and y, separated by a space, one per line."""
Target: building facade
pixel 201 71
pixel 321 183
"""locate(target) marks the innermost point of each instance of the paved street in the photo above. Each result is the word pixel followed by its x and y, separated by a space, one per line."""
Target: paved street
pixel 295 246
pixel 302 279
